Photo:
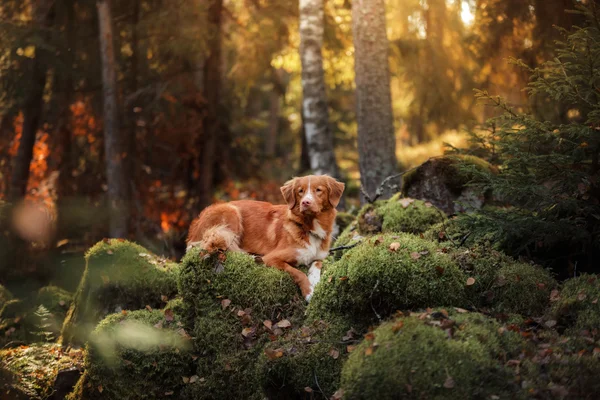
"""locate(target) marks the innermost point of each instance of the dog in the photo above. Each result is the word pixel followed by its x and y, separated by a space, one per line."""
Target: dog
pixel 285 236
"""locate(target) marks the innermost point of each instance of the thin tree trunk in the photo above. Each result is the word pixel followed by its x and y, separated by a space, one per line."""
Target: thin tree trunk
pixel 271 142
pixel 212 90
pixel 304 157
pixel 319 137
pixel 32 108
pixel 114 145
pixel 376 139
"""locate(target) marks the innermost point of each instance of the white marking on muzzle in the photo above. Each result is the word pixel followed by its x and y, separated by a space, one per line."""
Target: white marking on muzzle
pixel 308 196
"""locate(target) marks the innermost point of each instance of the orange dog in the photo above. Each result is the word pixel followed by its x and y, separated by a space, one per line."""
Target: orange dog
pixel 285 236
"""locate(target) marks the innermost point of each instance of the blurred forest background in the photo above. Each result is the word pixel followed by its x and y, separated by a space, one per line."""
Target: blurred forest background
pixel 167 106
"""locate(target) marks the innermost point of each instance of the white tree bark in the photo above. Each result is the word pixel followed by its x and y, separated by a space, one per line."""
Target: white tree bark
pixel 319 137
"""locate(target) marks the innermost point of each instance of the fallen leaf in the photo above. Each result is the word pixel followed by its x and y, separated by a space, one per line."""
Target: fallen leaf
pixel 61 303
pixel 441 235
pixel 350 348
pixel 164 298
pixel 284 323
pixel 449 383
pixel 428 204
pixel 308 390
pixel 405 202
pixel 541 286
pixel 168 314
pixel 397 326
pixel 268 324
pixel 241 313
pixel 168 393
pixel 109 252
pixel 148 307
pixel 329 279
pixel 369 351
pixel 100 389
pixel 334 353
pixel 338 394
pixel 554 295
pixel 596 351
pixel 440 270
pixel 343 278
pixel 370 336
pixel 470 281
pixel 581 296
pixel 414 255
pixel 158 325
pixel 186 379
pixel 274 354
pixel 193 378
pixel 123 312
pixel 550 323
pixel 595 301
pixel 394 246
pixel 460 310
pixel 247 332
pixel 225 303
pixel 378 241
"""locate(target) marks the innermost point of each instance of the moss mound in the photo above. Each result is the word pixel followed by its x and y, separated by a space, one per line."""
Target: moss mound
pixel 385 274
pixel 234 306
pixel 502 284
pixel 306 360
pixel 119 275
pixel 576 307
pixel 29 372
pixel 434 356
pixel 139 354
pixel 398 215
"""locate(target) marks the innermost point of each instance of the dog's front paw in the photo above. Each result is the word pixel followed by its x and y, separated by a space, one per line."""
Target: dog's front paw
pixel 308 297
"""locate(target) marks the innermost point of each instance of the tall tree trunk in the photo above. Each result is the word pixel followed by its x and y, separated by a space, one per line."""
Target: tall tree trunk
pixel 376 139
pixel 212 90
pixel 117 176
pixel 271 142
pixel 319 137
pixel 32 108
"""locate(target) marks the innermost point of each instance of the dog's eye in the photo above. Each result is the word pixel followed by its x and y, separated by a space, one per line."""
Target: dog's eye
pixel 301 191
pixel 319 190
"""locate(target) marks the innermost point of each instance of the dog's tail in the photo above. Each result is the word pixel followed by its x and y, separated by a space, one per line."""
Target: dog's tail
pixel 211 236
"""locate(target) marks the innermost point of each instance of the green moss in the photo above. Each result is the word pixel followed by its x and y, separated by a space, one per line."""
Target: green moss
pixel 371 279
pixel 577 308
pixel 429 356
pixel 17 323
pixel 502 284
pixel 31 370
pixel 227 302
pixel 119 275
pixel 5 295
pixel 55 299
pixel 310 357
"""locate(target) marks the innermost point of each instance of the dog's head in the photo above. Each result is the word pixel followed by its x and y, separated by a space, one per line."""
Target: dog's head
pixel 312 194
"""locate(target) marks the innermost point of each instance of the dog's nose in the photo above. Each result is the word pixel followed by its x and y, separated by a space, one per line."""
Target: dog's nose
pixel 306 202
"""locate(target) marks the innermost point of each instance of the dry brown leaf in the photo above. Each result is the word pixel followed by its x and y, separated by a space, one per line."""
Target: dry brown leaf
pixel 61 303
pixel 274 354
pixel 338 395
pixel 554 295
pixel 449 383
pixel 186 379
pixel 394 246
pixel 343 278
pixel 350 348
pixel 194 378
pixel 581 296
pixel 158 325
pixel 124 312
pixel 100 389
pixel 397 326
pixel 334 353
pixel 470 281
pixel 308 390
pixel 550 323
pixel 284 323
pixel 247 332
pixel 440 270
pixel 405 202
pixel 169 393
pixel 461 310
pixel 369 350
pixel 225 303
pixel 268 324
pixel 414 255
pixel 169 314
pixel 109 252
pixel 148 307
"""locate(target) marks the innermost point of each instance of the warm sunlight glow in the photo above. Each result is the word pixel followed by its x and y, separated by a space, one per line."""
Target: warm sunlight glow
pixel 466 13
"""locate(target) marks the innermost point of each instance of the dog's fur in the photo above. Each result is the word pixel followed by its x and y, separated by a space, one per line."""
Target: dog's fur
pixel 286 236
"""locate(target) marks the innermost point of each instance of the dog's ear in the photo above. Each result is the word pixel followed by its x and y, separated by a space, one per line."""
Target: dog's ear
pixel 335 191
pixel 287 191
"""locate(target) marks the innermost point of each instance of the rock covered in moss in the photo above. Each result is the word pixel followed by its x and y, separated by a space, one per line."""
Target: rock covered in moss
pixel 443 181
pixel 138 354
pixel 502 284
pixel 398 214
pixel 119 275
pixel 577 306
pixel 31 372
pixel 384 274
pixel 234 306
pixel 306 360
pixel 438 355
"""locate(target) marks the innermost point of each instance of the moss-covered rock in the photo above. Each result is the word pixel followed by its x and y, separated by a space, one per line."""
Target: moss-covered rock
pixel 502 284
pixel 444 182
pixel 139 354
pixel 306 360
pixel 234 306
pixel 398 214
pixel 119 275
pixel 434 356
pixel 30 372
pixel 576 307
pixel 384 274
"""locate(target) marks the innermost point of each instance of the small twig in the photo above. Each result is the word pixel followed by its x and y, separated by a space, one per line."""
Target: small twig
pixel 464 239
pixel 345 247
pixel 372 307
pixel 317 382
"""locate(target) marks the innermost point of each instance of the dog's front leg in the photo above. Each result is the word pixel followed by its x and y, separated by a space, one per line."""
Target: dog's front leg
pixel 275 260
pixel 314 276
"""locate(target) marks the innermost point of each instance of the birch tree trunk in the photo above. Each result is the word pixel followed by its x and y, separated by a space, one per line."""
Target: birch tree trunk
pixel 115 149
pixel 376 139
pixel 319 138
pixel 32 108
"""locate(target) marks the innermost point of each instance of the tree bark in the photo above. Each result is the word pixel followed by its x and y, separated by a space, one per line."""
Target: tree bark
pixel 319 137
pixel 117 176
pixel 376 139
pixel 212 90
pixel 32 107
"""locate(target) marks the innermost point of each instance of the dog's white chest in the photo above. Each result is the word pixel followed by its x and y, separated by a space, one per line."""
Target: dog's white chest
pixel 312 251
